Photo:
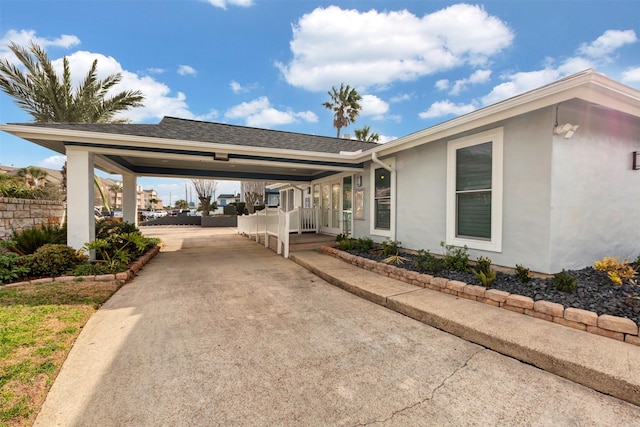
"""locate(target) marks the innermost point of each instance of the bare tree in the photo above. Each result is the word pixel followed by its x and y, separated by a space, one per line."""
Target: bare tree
pixel 253 193
pixel 206 189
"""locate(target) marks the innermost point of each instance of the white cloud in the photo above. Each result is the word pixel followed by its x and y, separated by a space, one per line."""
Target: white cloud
pixel 403 97
pixel 53 162
pixel 446 108
pixel 24 37
pixel 187 70
pixel 443 84
pixel 631 75
pixel 478 77
pixel 238 88
pixel 223 3
pixel 260 113
pixel 607 43
pixel 155 70
pixel 373 106
pixel 408 48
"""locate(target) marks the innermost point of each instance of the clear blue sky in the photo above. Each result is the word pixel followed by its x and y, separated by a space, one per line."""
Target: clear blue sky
pixel 270 63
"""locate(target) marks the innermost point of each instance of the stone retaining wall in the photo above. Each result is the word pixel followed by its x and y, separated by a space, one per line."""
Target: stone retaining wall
pixel 18 214
pixel 619 328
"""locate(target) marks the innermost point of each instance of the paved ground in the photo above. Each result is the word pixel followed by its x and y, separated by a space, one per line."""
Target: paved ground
pixel 217 330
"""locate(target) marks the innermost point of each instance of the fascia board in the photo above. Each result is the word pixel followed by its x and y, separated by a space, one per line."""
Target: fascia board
pixel 62 135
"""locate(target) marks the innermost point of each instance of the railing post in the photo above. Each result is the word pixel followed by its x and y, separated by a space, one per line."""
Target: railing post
pixel 286 235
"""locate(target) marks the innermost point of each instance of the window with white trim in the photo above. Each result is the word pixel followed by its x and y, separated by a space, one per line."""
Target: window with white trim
pixel 382 199
pixel 474 191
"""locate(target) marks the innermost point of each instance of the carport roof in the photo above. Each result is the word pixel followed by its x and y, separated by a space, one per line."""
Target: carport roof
pixel 189 148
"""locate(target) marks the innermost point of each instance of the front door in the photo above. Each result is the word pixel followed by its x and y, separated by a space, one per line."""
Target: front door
pixel 331 199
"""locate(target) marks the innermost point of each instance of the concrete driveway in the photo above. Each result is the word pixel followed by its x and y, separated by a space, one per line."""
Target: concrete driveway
pixel 218 330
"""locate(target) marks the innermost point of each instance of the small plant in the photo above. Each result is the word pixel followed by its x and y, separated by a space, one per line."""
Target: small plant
pixel 91 269
pixel 523 273
pixel 342 236
pixel 29 240
pixel 347 244
pixel 484 273
pixel 110 227
pixel 12 268
pixel 395 259
pixel 617 271
pixel 364 244
pixel 53 260
pixel 428 263
pixel 564 281
pixel 455 258
pixel 391 247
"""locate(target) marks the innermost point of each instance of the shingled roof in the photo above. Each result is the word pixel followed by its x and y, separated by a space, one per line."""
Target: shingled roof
pixel 220 133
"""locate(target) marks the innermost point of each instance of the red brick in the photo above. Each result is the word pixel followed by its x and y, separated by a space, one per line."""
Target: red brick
pixel 617 324
pixel 549 308
pixel 570 323
pixel 605 333
pixel 538 315
pixel 496 295
pixel 581 316
pixel 520 301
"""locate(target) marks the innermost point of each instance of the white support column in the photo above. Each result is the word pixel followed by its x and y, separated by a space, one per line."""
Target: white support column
pixel 129 199
pixel 80 198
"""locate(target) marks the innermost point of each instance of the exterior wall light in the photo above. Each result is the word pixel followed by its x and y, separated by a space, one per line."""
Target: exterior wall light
pixel 636 160
pixel 223 157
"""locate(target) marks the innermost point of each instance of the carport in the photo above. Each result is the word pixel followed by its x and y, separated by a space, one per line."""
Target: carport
pixel 180 148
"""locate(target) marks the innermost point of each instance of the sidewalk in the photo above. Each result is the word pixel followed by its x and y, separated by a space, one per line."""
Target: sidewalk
pixel 603 364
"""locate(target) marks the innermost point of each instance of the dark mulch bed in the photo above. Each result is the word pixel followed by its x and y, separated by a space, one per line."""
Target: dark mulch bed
pixel 595 292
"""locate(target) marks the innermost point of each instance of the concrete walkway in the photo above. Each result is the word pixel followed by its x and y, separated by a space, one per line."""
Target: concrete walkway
pixel 218 330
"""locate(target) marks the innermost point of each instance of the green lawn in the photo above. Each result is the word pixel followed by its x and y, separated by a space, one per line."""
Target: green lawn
pixel 38 326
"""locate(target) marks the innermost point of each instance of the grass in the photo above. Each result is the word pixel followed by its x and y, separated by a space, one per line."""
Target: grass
pixel 38 326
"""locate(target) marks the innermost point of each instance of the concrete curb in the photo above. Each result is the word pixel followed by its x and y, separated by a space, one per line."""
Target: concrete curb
pixel 605 365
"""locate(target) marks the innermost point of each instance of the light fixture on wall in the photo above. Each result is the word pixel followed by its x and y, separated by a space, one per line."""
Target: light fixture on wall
pixel 221 157
pixel 636 160
pixel 566 129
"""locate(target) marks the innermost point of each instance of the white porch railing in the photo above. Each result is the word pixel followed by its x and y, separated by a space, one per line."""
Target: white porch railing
pixel 280 224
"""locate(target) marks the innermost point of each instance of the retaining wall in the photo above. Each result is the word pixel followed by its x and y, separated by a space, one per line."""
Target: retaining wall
pixel 18 214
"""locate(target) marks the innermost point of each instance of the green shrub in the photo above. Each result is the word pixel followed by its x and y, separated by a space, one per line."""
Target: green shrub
pixel 90 268
pixel 364 244
pixel 565 282
pixel 523 273
pixel 428 263
pixel 19 190
pixel 483 272
pixel 109 227
pixel 53 260
pixel 391 247
pixel 347 244
pixel 342 236
pixel 30 239
pixel 240 207
pixel 12 267
pixel 455 258
pixel 118 250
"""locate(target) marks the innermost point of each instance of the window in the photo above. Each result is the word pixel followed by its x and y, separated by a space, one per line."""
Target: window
pixel 474 191
pixel 382 212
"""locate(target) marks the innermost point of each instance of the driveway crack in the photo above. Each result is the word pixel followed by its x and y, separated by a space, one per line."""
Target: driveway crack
pixel 428 398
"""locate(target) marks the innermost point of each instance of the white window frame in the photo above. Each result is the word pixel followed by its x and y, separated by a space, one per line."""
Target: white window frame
pixel 494 244
pixel 390 234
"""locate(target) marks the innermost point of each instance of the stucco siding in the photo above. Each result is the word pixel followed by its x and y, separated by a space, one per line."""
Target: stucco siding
pixel 595 207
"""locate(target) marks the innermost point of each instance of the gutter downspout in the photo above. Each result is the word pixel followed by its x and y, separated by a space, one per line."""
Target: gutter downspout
pixel 375 159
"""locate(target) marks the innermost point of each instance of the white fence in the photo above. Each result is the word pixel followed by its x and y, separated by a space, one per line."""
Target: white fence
pixel 274 222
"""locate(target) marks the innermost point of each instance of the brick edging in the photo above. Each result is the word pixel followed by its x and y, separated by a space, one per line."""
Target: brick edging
pixel 618 328
pixel 122 277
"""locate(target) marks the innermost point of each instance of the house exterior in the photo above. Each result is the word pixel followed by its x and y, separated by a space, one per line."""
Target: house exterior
pixel 227 199
pixel 549 179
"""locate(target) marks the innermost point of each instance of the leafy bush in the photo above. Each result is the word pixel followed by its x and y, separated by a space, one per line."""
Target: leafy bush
pixel 109 227
pixel 116 251
pixel 342 236
pixel 12 267
pixel 347 244
pixel 617 271
pixel 483 272
pixel 427 263
pixel 564 281
pixel 30 239
pixel 364 244
pixel 53 260
pixel 19 190
pixel 391 247
pixel 523 273
pixel 90 268
pixel 455 258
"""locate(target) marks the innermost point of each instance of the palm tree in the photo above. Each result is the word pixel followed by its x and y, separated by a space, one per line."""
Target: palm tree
pixel 115 188
pixel 182 204
pixel 33 176
pixel 152 203
pixel 365 134
pixel 344 103
pixel 42 94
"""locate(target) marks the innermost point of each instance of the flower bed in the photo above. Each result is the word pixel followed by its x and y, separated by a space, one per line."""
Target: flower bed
pixel 596 306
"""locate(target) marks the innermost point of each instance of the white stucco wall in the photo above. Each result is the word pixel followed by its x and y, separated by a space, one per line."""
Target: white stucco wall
pixel 595 199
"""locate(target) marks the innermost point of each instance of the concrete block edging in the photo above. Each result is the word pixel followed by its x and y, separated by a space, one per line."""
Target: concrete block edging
pixel 618 328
